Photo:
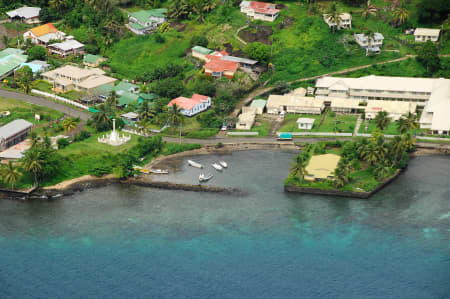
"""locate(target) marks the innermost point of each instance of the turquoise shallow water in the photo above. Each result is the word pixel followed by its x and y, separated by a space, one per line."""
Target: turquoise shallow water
pixel 120 242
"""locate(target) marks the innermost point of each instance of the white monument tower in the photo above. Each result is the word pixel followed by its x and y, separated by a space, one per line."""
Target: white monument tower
pixel 114 139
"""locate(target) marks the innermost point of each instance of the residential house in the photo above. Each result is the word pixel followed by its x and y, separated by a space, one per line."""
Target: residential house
pixel 294 104
pixel 259 105
pixel 219 68
pixel 65 48
pixel 426 34
pixel 377 88
pixel 371 45
pixel 305 123
pixel 10 60
pixel 26 14
pixel 246 119
pixel 36 66
pixel 344 22
pixel 436 114
pixel 145 21
pixel 91 60
pixel 244 63
pixel 321 167
pixel 43 34
pixel 200 52
pixel 193 105
pixel 70 77
pixel 260 10
pixel 14 132
pixel 130 117
pixel 394 109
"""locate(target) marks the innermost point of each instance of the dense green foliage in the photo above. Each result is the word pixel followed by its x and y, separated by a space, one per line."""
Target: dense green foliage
pixel 37 53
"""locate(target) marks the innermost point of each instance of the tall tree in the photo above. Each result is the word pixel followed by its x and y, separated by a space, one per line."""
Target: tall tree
pixel 24 76
pixel 10 174
pixel 382 120
pixel 69 124
pixel 334 16
pixel 342 174
pixel 298 168
pixel 32 162
pixel 401 13
pixel 368 10
pixel 176 118
pixel 427 55
pixel 370 154
pixel 145 112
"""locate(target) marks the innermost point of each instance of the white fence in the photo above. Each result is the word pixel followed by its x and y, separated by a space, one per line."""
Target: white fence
pixel 331 134
pixel 54 96
pixel 243 133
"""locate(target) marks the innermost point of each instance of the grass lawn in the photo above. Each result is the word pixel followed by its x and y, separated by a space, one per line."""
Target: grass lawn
pixel 261 126
pixel 344 123
pixel 17 26
pixel 390 130
pixel 290 123
pixel 72 95
pixel 42 86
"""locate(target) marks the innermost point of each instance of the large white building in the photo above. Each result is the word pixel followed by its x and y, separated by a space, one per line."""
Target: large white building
pixel 260 10
pixel 432 94
pixel 426 34
pixel 294 104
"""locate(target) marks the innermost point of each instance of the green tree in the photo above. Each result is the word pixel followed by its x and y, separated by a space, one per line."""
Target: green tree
pixel 258 51
pixel 145 112
pixel 342 174
pixel 178 9
pixel 199 40
pixel 176 118
pixel 397 148
pixel 298 168
pixel 427 55
pixel 333 15
pixel 401 13
pixel 382 120
pixel 200 7
pixel 37 53
pixel 407 123
pixel 24 76
pixel 69 124
pixel 58 5
pixel 409 141
pixel 5 40
pixel 371 154
pixel 32 162
pixel 10 174
pixel 382 170
pixel 112 99
pixel 368 10
pixel 35 139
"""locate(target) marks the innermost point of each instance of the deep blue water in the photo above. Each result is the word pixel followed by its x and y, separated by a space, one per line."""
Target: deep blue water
pixel 120 242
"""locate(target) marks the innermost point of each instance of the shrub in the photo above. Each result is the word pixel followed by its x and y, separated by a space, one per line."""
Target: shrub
pixel 219 145
pixel 199 40
pixel 99 171
pixel 62 143
pixel 204 133
pixel 173 148
pixel 82 136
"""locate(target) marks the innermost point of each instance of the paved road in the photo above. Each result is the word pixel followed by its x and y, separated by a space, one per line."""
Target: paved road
pixel 45 103
pixel 259 140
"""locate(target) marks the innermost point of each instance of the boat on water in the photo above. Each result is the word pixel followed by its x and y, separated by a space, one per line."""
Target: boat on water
pixel 217 167
pixel 223 164
pixel 195 164
pixel 204 178
pixel 159 171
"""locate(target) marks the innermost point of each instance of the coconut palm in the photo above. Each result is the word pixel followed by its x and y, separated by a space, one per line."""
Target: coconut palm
pixel 370 153
pixel 409 141
pixel 403 125
pixel 69 124
pixel 341 174
pixel 175 117
pixel 112 99
pixel 361 146
pixel 10 174
pixel 382 170
pixel 200 7
pixel 382 120
pixel 32 162
pixel 34 139
pixel 368 10
pixel 58 5
pixel 145 112
pixel 397 148
pixel 401 13
pixel 298 168
pixel 178 9
pixel 334 16
pixel 5 40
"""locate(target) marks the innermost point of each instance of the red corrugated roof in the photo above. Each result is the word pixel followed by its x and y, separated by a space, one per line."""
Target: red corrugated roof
pixel 44 29
pixel 263 7
pixel 188 103
pixel 218 65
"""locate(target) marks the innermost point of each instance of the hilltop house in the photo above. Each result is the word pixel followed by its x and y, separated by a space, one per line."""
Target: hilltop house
pixel 193 105
pixel 344 22
pixel 219 68
pixel 426 34
pixel 67 47
pixel 144 21
pixel 93 60
pixel 260 10
pixel 10 60
pixel 70 77
pixel 43 34
pixel 371 45
pixel 28 15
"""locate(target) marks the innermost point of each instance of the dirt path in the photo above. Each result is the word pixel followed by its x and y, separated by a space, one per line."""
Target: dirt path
pixel 236 35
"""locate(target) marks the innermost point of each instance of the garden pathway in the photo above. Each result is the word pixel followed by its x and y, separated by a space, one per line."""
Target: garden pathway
pixel 358 124
pixel 236 35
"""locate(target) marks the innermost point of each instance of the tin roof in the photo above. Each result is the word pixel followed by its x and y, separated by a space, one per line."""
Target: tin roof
pixel 43 29
pixel 14 127
pixel 25 12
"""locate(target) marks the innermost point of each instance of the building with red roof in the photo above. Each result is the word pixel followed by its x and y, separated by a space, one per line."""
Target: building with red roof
pixel 260 10
pixel 43 34
pixel 217 67
pixel 193 105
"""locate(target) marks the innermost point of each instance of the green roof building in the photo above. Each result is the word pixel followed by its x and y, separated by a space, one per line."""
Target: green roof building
pixel 144 21
pixel 10 60
pixel 259 105
pixel 93 60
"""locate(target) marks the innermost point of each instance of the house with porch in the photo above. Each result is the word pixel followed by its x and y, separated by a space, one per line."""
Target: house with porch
pixel 42 35
pixel 66 48
pixel 344 22
pixel 294 104
pixel 145 21
pixel 26 14
pixel 426 34
pixel 193 105
pixel 371 45
pixel 218 68
pixel 260 10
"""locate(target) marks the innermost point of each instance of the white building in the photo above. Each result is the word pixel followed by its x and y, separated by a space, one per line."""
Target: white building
pixel 394 109
pixel 371 45
pixel 436 114
pixel 294 104
pixel 260 10
pixel 43 34
pixel 426 34
pixel 29 15
pixel 68 47
pixel 305 123
pixel 344 22
pixel 246 119
pixel 193 105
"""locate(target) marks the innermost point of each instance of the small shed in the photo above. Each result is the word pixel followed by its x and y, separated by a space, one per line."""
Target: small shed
pixel 305 123
pixel 246 121
pixel 130 116
pixel 93 60
pixel 14 132
pixel 259 105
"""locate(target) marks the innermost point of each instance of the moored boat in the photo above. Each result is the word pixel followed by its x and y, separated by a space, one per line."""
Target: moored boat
pixel 223 164
pixel 204 178
pixel 159 171
pixel 195 164
pixel 217 167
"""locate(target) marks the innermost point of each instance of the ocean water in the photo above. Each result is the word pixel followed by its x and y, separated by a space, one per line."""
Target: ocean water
pixel 133 242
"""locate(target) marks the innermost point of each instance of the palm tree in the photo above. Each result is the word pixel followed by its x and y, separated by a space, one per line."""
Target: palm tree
pixel 370 153
pixel 341 174
pixel 382 120
pixel 370 38
pixel 200 7
pixel 408 141
pixel 176 118
pixel 178 9
pixel 397 147
pixel 298 168
pixel 368 10
pixel 10 174
pixel 382 170
pixel 32 162
pixel 112 99
pixel 34 139
pixel 102 116
pixel 361 146
pixel 58 5
pixel 69 124
pixel 401 13
pixel 145 112
pixel 402 125
pixel 334 16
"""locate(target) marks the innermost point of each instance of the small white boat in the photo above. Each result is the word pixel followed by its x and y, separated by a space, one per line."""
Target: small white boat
pixel 204 178
pixel 223 164
pixel 217 167
pixel 195 164
pixel 159 171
